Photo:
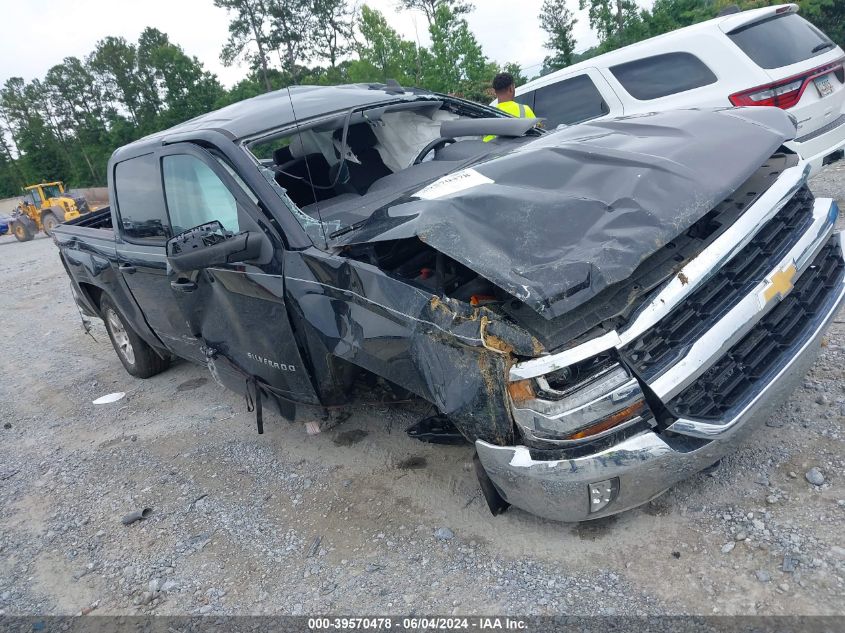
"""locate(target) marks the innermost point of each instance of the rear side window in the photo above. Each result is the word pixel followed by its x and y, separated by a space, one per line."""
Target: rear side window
pixel 663 75
pixel 780 41
pixel 195 194
pixel 137 185
pixel 569 101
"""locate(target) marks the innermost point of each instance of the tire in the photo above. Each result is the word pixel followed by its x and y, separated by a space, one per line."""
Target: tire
pixel 22 231
pixel 138 358
pixel 49 221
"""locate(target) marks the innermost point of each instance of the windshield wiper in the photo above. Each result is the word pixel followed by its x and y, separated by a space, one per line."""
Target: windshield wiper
pixel 823 46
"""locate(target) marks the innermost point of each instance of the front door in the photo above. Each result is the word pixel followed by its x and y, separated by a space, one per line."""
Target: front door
pixel 236 309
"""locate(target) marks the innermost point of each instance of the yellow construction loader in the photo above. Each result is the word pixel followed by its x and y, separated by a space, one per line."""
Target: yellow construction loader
pixel 43 207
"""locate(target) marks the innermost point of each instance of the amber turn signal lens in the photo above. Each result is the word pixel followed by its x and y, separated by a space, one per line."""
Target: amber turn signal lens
pixel 477 300
pixel 521 390
pixel 609 422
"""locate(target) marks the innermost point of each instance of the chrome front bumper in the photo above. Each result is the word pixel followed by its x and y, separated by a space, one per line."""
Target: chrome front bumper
pixel 649 463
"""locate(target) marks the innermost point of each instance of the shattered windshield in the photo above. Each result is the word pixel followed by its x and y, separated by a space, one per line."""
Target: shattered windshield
pixel 335 172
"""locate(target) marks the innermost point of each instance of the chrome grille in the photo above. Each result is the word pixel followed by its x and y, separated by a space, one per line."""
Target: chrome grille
pixel 766 348
pixel 661 346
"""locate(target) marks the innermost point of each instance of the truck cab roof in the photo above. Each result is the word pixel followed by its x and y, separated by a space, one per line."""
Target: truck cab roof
pixel 277 109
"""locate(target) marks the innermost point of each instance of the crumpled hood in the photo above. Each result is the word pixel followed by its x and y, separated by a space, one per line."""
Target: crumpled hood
pixel 559 219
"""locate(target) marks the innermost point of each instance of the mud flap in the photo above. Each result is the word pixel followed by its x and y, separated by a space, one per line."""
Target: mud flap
pixel 495 501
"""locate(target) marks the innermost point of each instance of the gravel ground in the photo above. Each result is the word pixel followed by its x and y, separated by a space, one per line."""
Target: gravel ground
pixel 361 519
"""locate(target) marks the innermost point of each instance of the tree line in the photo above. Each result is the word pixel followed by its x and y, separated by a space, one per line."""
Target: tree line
pixel 66 125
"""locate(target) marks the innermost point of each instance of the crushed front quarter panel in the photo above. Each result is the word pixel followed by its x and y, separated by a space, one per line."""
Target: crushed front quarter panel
pixel 431 347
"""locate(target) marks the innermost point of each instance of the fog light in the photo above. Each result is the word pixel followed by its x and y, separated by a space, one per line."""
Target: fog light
pixel 602 493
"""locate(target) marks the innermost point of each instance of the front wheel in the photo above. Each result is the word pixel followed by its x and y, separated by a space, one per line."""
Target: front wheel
pixel 138 358
pixel 49 222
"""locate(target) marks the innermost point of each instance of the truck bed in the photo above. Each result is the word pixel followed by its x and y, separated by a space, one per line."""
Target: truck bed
pixel 96 226
pixel 87 250
pixel 99 219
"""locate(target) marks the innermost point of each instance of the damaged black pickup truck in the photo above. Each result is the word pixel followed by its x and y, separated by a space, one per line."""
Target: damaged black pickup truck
pixel 603 310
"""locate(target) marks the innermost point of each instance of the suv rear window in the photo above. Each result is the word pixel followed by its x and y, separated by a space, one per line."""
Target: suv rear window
pixel 780 41
pixel 567 102
pixel 663 75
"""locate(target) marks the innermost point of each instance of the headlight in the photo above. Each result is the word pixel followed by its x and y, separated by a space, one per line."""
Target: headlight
pixel 578 403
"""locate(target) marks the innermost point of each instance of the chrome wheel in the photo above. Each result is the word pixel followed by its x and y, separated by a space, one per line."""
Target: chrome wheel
pixel 120 337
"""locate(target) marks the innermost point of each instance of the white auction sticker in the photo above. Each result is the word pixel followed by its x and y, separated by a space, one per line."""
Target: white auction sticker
pixel 453 183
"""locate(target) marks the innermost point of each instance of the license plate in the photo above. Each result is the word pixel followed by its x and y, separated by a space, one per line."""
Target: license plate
pixel 824 86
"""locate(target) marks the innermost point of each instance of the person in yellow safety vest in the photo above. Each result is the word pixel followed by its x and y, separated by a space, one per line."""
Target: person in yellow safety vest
pixel 505 88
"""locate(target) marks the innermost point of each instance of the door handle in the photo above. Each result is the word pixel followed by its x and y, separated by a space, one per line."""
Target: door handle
pixel 129 269
pixel 183 285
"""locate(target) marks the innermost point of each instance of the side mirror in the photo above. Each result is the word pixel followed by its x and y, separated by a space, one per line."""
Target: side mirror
pixel 210 245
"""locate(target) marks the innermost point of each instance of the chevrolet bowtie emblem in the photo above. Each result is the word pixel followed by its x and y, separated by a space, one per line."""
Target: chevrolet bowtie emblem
pixel 780 283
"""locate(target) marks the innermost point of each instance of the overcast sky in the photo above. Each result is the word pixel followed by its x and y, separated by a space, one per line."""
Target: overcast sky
pixel 40 33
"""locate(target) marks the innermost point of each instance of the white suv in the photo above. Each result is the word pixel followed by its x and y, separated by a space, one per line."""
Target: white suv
pixel 764 57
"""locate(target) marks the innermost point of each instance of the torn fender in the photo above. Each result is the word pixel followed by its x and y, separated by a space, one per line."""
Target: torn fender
pixel 443 350
pixel 561 218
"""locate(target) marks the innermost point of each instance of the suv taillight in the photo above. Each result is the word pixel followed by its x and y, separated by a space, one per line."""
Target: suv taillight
pixel 787 92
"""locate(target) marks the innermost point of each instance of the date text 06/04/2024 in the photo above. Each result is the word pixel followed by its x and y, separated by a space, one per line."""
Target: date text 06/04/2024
pixel 417 623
